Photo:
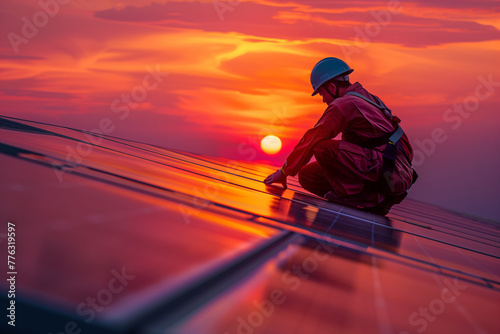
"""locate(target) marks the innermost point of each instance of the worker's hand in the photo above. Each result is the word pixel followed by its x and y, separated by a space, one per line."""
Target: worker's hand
pixel 276 177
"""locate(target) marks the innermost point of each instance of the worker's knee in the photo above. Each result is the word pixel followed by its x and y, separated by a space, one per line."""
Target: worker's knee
pixel 309 174
pixel 302 176
pixel 326 148
pixel 319 148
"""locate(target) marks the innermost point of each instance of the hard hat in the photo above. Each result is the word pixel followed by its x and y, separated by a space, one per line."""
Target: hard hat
pixel 328 69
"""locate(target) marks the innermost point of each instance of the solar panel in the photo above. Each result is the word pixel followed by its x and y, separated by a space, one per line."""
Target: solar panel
pixel 116 236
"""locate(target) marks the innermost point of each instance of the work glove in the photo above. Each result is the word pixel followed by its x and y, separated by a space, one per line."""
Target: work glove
pixel 276 177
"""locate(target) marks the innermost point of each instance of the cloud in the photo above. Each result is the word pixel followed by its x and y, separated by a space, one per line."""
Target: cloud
pixel 410 24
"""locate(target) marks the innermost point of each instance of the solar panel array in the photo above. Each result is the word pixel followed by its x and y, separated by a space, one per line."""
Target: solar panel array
pixel 117 236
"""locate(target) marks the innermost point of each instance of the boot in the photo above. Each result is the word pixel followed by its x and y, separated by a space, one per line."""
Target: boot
pixel 385 206
pixel 331 197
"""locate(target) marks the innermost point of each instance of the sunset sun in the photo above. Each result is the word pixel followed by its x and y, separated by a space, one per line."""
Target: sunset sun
pixel 270 144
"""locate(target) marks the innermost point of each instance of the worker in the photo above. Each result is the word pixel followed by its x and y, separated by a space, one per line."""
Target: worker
pixel 370 167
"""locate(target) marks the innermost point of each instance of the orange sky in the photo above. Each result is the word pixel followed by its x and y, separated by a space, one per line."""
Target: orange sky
pixel 239 70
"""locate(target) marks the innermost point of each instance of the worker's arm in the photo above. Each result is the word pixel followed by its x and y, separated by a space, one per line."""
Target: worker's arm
pixel 328 126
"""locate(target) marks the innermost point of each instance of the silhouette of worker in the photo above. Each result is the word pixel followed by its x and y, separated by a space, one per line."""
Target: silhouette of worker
pixel 370 167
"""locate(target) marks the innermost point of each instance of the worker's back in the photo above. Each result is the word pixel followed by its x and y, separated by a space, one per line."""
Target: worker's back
pixel 364 123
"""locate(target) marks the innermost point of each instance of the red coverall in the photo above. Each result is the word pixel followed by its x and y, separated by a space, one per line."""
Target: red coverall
pixel 347 170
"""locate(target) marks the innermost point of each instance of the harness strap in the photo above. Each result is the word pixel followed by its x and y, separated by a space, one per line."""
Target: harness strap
pixel 391 137
pixel 380 105
pixel 396 135
pixel 371 143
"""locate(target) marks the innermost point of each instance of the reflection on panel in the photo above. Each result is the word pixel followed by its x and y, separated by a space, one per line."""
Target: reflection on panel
pixel 315 287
